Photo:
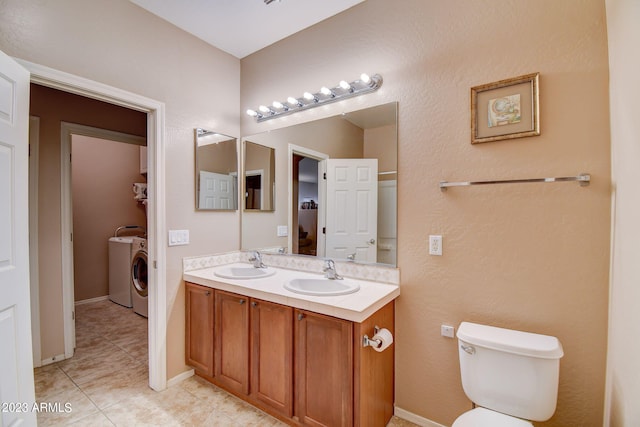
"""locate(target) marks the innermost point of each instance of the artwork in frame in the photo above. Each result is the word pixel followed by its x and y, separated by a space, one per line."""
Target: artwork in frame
pixel 506 109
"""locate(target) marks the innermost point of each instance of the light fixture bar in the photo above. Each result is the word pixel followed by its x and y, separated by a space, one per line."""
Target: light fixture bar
pixel 344 90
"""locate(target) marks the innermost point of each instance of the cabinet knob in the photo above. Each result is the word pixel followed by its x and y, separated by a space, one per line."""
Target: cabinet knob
pixel 254 304
pixel 242 301
pixel 207 293
pixel 300 316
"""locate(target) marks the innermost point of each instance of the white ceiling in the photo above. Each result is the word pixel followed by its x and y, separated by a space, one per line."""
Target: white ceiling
pixel 241 27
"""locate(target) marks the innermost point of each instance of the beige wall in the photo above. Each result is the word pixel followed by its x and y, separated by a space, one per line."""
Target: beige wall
pixel 119 44
pixel 103 173
pixel 623 379
pixel 529 257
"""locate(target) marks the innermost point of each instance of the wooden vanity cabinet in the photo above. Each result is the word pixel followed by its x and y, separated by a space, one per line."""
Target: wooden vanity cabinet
pixel 302 367
pixel 323 370
pixel 231 354
pixel 272 355
pixel 199 325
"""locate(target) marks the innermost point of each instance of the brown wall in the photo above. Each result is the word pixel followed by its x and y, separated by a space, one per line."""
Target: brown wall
pixel 102 175
pixel 54 107
pixel 531 257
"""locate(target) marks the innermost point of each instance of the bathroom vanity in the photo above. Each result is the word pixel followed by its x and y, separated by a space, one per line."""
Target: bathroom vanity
pixel 301 358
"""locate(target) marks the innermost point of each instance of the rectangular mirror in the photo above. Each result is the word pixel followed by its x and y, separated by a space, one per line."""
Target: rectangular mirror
pixel 216 180
pixel 259 177
pixel 350 214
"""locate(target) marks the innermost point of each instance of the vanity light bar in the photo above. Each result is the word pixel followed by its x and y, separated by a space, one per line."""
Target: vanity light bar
pixel 326 95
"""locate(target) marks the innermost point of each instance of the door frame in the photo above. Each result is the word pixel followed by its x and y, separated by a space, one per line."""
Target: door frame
pixel 322 192
pixel 156 220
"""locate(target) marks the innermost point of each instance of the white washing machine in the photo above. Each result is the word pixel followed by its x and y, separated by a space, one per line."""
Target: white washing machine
pixel 139 298
pixel 120 270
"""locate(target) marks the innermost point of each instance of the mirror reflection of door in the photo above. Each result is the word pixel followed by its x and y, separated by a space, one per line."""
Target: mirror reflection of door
pixel 352 209
pixel 253 190
pixel 305 205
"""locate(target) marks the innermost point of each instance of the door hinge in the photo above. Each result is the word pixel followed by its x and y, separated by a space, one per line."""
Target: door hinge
pixel 324 175
pixel 324 230
pixel 155 264
pixel 73 315
pixel 71 237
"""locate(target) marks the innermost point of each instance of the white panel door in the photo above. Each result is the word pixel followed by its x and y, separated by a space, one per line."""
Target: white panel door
pixel 352 209
pixel 16 359
pixel 216 191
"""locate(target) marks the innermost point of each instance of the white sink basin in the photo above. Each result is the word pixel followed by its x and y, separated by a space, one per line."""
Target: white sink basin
pixel 243 272
pixel 322 287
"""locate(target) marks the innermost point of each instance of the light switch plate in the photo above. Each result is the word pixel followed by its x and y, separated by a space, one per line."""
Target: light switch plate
pixel 282 231
pixel 178 237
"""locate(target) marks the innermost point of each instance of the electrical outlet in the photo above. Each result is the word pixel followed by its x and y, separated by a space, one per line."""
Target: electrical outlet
pixel 435 245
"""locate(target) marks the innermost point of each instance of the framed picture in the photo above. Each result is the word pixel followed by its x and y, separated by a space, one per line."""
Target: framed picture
pixel 506 109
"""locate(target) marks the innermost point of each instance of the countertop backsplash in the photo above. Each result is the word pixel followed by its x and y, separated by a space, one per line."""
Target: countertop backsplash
pixel 372 272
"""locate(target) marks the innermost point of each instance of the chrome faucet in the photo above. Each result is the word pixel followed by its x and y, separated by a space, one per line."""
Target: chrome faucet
pixel 330 270
pixel 256 259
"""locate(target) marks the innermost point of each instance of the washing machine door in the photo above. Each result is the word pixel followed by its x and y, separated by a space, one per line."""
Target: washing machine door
pixel 139 272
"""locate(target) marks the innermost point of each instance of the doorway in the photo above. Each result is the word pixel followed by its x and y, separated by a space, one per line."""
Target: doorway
pixel 306 202
pixel 154 111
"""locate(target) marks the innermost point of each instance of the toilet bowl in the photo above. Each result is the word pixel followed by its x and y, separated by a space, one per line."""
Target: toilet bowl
pixel 511 376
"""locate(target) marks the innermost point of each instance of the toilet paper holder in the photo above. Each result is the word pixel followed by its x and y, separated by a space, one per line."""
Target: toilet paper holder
pixel 368 342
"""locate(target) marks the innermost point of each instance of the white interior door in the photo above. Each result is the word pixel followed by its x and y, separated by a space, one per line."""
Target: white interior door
pixel 16 359
pixel 216 191
pixel 352 209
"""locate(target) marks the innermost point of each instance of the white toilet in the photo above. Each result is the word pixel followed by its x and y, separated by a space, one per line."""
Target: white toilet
pixel 510 376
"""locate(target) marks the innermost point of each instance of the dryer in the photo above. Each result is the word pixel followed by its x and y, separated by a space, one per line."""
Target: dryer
pixel 119 270
pixel 139 293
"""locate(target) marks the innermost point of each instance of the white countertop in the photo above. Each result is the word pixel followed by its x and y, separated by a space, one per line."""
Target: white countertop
pixel 355 307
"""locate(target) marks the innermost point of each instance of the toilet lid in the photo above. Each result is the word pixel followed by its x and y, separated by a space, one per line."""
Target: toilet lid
pixel 481 417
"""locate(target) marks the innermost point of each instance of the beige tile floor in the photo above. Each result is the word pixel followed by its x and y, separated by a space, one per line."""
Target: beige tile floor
pixel 105 382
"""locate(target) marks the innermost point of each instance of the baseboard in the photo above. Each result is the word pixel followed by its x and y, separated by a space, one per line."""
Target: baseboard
pixel 180 377
pixel 90 300
pixel 416 419
pixel 53 359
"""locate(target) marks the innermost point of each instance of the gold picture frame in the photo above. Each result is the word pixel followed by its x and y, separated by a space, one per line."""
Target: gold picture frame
pixel 506 109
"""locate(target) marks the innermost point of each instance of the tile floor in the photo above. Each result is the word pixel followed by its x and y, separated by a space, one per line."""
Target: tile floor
pixel 105 382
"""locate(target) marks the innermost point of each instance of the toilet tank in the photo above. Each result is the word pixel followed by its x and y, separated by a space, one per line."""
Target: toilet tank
pixel 509 371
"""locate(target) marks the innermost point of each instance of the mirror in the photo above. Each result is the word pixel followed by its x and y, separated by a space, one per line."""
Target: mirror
pixel 308 217
pixel 259 178
pixel 216 180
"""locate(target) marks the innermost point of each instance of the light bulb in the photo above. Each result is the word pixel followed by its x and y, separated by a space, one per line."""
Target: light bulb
pixel 344 85
pixel 291 100
pixel 365 78
pixel 325 90
pixel 277 104
pixel 263 108
pixel 308 96
pixel 252 113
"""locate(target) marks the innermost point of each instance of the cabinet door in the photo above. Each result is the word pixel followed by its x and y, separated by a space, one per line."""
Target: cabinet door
pixel 232 341
pixel 323 370
pixel 272 355
pixel 199 330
